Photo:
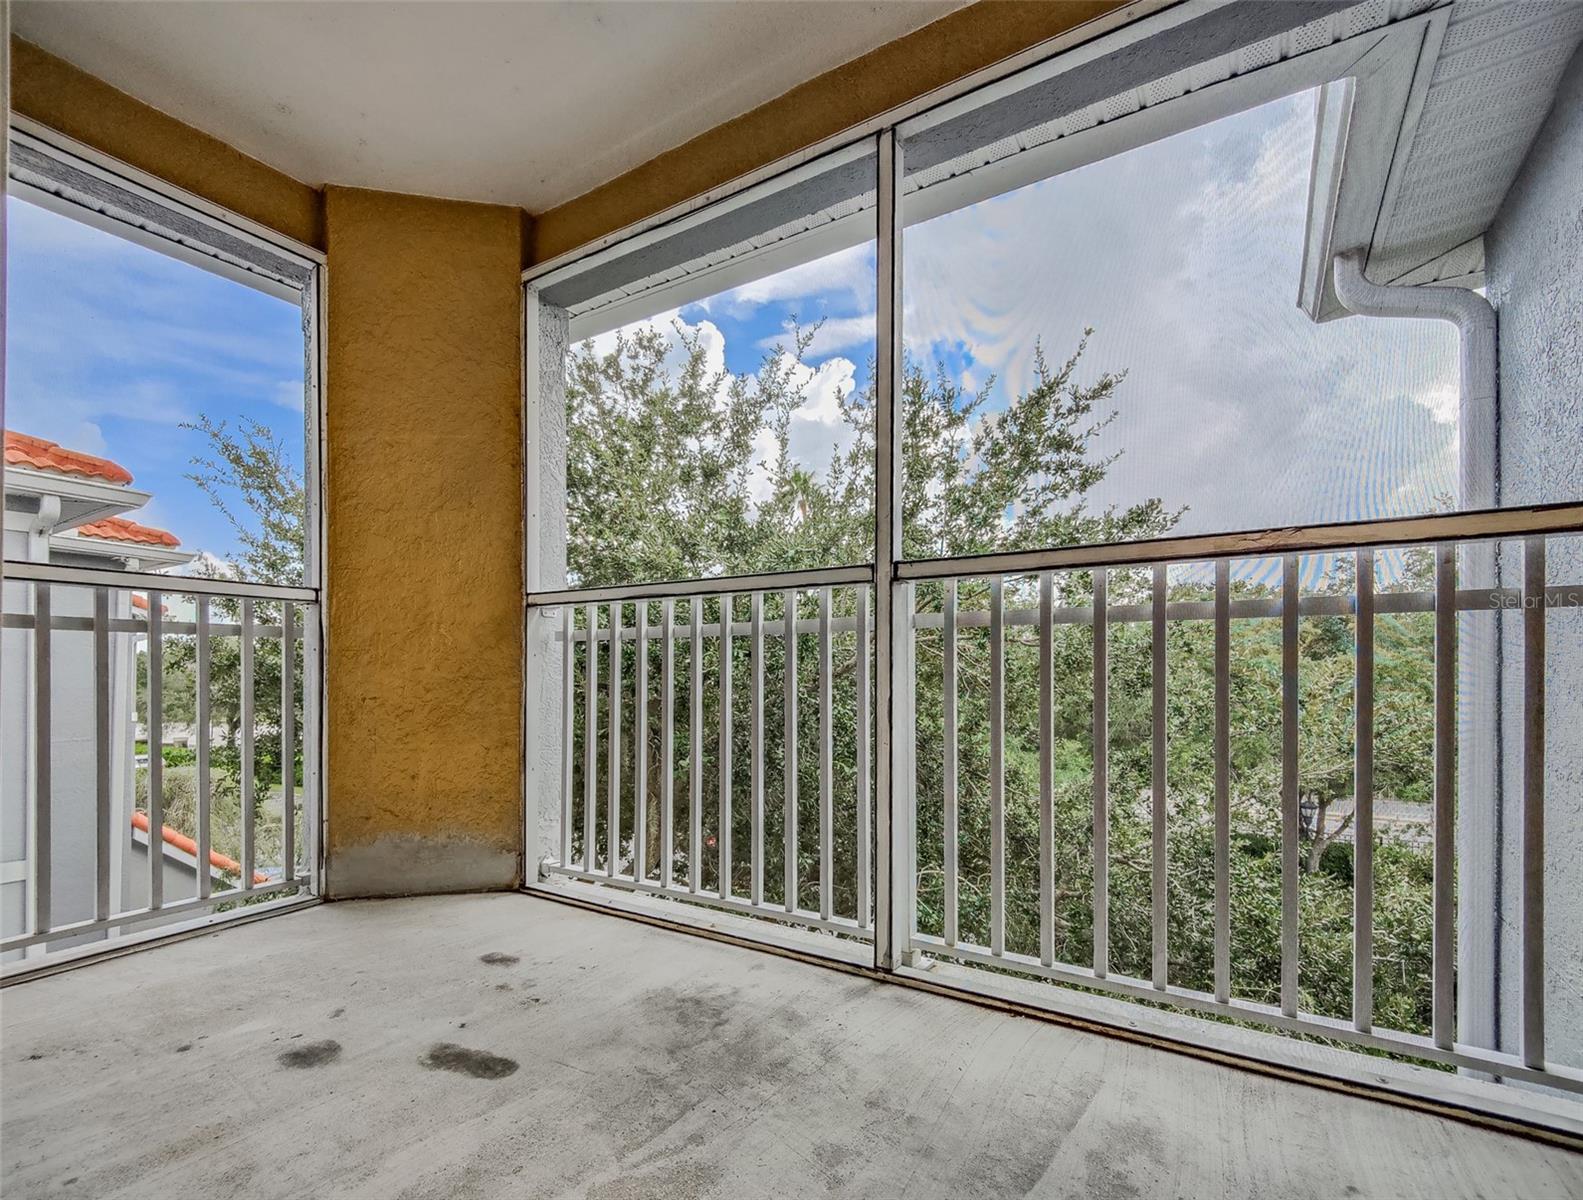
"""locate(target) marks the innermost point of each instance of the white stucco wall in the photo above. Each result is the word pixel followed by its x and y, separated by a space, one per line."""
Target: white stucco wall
pixel 1534 268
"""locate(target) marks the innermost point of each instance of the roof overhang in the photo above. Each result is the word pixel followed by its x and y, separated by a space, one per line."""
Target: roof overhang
pixel 1484 79
pixel 148 556
pixel 1189 65
pixel 82 500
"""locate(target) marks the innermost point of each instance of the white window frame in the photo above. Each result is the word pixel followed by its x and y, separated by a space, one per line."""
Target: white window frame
pixel 1371 91
pixel 235 247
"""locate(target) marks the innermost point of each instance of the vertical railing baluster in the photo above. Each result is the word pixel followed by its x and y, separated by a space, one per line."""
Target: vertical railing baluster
pixel 590 731
pixel 789 756
pixel 43 739
pixel 1363 799
pixel 952 834
pixel 695 745
pixel 1291 814
pixel 826 764
pixel 1443 1014
pixel 156 751
pixel 613 749
pixel 1532 963
pixel 724 816
pixel 640 744
pixel 997 765
pixel 204 715
pixel 568 727
pixel 312 725
pixel 904 813
pixel 1158 853
pixel 756 763
pixel 1222 757
pixel 1046 768
pixel 288 748
pixel 1101 753
pixel 104 831
pixel 667 742
pixel 249 817
pixel 865 831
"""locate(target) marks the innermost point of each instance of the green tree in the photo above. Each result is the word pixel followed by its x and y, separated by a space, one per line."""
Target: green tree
pixel 249 477
pixel 662 476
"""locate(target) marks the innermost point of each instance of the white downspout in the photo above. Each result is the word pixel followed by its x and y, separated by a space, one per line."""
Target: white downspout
pixel 1480 825
pixel 1474 318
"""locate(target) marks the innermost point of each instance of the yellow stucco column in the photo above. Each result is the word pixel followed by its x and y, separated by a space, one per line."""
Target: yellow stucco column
pixel 424 550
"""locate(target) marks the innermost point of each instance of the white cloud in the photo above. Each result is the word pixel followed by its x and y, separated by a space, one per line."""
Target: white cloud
pixel 1442 400
pixel 832 334
pixel 817 428
pixel 847 272
pixel 1184 257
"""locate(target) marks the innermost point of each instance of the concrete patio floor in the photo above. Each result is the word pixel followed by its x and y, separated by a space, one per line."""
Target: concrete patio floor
pixel 504 1045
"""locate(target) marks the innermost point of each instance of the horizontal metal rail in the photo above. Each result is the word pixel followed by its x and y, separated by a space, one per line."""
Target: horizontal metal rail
pixel 1257 543
pixel 1412 1045
pixel 799 916
pixel 1260 543
pixel 736 585
pixel 138 625
pixel 1263 608
pixel 137 916
pixel 176 585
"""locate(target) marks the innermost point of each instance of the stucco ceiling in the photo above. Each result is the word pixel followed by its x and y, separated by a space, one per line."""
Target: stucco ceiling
pixel 522 103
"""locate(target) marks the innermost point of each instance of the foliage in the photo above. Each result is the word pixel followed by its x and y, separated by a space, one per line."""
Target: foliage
pixel 249 477
pixel 664 481
pixel 180 797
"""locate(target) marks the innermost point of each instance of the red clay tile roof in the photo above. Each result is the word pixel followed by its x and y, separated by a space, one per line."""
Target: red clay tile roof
pixel 119 529
pixel 174 837
pixel 24 450
pixel 140 602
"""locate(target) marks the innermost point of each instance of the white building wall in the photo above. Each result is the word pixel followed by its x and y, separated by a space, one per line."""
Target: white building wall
pixel 1534 269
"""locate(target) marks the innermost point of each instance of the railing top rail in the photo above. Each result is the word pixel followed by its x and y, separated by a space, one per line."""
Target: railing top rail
pixel 1482 525
pixel 175 585
pixel 1261 543
pixel 772 581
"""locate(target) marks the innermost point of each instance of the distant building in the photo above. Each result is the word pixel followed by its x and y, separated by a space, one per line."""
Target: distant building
pixel 67 508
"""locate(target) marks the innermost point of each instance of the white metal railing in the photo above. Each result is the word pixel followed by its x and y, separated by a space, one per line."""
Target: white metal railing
pixel 1045 601
pixel 763 837
pixel 99 855
pixel 707 778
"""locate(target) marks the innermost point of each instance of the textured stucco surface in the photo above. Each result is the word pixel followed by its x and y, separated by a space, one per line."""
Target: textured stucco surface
pixel 424 553
pixel 60 95
pixel 899 71
pixel 1534 251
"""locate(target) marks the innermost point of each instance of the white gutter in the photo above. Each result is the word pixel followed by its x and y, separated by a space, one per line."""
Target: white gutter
pixel 1474 318
pixel 1481 835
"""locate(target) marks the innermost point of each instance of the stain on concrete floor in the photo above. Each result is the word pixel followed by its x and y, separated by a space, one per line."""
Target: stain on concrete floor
pixel 480 1064
pixel 313 1054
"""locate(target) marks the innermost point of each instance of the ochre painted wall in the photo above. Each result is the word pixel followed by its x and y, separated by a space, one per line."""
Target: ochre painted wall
pixel 962 42
pixel 425 544
pixel 71 101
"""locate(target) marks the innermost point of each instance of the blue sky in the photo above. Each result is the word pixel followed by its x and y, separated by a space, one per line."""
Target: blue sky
pixel 1184 255
pixel 111 347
